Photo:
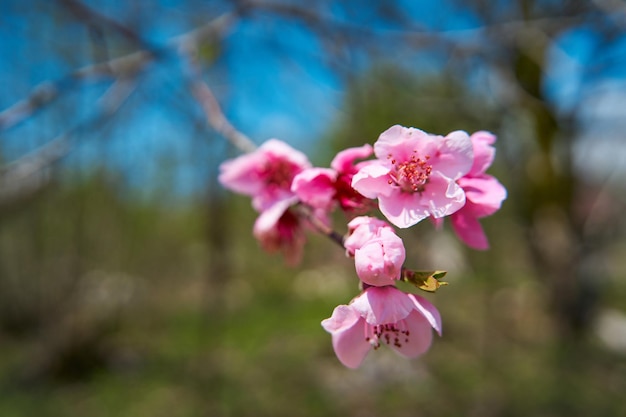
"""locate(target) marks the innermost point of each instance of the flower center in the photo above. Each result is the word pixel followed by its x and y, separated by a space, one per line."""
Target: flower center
pixel 287 227
pixel 350 199
pixel 411 175
pixel 391 333
pixel 279 173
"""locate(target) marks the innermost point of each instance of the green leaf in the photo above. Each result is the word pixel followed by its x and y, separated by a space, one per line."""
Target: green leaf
pixel 424 280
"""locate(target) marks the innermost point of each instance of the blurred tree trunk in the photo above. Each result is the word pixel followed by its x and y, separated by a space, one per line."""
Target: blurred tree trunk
pixel 548 194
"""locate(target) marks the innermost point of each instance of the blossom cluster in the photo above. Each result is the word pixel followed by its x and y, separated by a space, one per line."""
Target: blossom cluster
pixel 412 176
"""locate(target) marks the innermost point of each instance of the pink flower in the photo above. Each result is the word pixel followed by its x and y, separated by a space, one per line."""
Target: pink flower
pixel 382 315
pixel 325 187
pixel 378 252
pixel 279 229
pixel 484 194
pixel 415 174
pixel 265 174
pixel 315 187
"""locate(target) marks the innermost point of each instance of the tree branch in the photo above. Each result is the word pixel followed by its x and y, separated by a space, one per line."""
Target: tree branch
pixel 18 177
pixel 121 67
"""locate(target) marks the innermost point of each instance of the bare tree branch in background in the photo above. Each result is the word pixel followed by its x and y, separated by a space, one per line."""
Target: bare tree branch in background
pixel 18 177
pixel 28 174
pixel 123 66
pixel 205 97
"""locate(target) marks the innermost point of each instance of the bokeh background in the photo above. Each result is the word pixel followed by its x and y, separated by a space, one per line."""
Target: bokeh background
pixel 130 283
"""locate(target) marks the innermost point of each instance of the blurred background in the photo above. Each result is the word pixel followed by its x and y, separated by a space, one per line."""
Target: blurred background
pixel 130 283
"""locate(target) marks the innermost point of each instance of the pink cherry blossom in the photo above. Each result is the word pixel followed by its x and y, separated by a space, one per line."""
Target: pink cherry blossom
pixel 382 315
pixel 378 252
pixel 280 229
pixel 316 187
pixel 415 174
pixel 484 194
pixel 325 187
pixel 265 174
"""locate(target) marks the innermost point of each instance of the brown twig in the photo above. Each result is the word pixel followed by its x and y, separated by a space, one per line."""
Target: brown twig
pixel 321 227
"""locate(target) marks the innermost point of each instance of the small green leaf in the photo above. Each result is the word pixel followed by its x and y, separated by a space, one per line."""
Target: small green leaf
pixel 424 280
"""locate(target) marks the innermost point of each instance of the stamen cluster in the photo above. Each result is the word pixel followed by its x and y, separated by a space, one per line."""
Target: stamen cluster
pixel 411 175
pixel 387 332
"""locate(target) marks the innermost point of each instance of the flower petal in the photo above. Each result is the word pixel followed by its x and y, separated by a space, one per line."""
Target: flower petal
pixel 348 336
pixel 403 209
pixel 241 175
pixel 419 338
pixel 278 229
pixel 343 318
pixel 372 180
pixel 443 196
pixel 455 155
pixel 362 230
pixel 484 153
pixel 379 261
pixel 344 161
pixel 382 305
pixel 427 310
pixel 469 230
pixel 315 186
pixel 280 149
pixel 485 193
pixel 399 142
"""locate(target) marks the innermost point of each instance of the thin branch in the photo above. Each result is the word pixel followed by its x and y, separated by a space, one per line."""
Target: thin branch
pixel 305 212
pixel 615 8
pixel 121 67
pixel 89 16
pixel 41 95
pixel 216 117
pixel 18 177
pixel 205 97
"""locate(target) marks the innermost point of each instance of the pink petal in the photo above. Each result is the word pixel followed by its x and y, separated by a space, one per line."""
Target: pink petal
pixel 382 305
pixel 264 174
pixel 484 153
pixel 275 232
pixel 268 218
pixel 455 156
pixel 348 336
pixel 419 339
pixel 270 196
pixel 371 223
pixel 403 209
pixel 379 261
pixel 370 265
pixel 343 318
pixel 443 196
pixel 388 141
pixel 280 149
pixel 469 230
pixel 344 161
pixel 315 186
pixel 362 230
pixel 372 180
pixel 241 175
pixel 485 193
pixel 429 311
pixel 399 142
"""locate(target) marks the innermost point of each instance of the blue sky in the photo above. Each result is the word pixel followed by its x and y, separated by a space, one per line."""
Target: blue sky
pixel 270 77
